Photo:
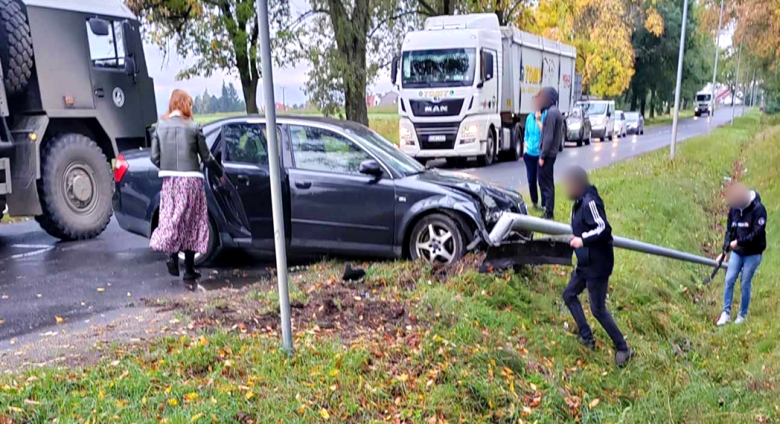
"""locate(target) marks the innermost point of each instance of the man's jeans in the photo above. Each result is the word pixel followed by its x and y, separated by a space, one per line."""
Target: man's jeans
pixel 747 265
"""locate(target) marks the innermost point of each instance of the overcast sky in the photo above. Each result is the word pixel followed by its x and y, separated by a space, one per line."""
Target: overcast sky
pixel 288 82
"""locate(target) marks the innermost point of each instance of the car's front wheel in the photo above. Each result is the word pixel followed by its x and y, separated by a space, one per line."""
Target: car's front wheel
pixel 436 238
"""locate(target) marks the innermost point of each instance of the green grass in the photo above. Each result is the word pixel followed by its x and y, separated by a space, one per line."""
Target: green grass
pixel 667 119
pixel 483 348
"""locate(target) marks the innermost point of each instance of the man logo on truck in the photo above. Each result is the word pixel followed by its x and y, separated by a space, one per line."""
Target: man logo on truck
pixel 431 109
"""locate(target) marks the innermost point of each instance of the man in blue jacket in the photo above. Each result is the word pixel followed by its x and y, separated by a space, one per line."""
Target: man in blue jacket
pixel 592 243
pixel 746 239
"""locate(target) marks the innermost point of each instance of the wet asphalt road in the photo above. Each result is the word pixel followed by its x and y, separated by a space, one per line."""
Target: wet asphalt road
pixel 42 278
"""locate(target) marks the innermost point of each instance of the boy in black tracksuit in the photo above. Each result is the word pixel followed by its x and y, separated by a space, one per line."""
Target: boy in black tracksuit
pixel 592 242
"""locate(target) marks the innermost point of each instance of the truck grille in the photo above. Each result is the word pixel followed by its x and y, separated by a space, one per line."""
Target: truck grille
pixel 448 107
pixel 447 129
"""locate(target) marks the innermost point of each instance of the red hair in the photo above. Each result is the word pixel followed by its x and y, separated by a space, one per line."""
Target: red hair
pixel 182 102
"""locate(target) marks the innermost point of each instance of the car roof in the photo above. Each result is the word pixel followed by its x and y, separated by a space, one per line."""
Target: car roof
pixel 288 119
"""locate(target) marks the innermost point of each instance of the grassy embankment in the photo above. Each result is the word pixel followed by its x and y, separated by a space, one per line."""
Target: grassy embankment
pixel 414 346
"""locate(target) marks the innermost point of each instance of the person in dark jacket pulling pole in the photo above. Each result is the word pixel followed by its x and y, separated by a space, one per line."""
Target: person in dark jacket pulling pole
pixel 746 239
pixel 552 137
pixel 592 243
pixel 178 149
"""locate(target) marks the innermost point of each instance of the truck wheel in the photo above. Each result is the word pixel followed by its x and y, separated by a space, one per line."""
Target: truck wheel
pixel 436 239
pixel 16 51
pixel 516 151
pixel 75 188
pixel 490 151
pixel 2 207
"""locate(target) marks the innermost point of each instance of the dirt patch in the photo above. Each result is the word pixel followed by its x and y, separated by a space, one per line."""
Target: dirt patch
pixel 334 308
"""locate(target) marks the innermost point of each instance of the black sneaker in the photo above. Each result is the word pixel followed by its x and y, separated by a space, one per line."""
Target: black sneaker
pixel 589 343
pixel 622 357
pixel 173 266
pixel 191 275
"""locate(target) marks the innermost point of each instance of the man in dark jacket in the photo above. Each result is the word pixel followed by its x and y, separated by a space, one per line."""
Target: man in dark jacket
pixel 552 137
pixel 592 242
pixel 746 239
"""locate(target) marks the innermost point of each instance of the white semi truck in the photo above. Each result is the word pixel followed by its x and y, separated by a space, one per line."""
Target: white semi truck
pixel 465 86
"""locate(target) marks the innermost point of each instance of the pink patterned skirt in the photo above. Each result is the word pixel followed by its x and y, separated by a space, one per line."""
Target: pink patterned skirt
pixel 183 224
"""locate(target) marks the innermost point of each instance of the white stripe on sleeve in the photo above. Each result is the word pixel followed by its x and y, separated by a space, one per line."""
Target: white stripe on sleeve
pixel 600 225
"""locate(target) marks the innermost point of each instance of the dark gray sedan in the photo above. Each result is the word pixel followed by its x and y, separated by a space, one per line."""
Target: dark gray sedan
pixel 578 126
pixel 635 123
pixel 346 191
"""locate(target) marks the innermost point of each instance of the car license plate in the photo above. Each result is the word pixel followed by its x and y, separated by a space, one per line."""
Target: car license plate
pixel 437 138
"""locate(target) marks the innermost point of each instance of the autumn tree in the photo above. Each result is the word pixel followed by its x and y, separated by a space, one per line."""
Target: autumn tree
pixel 600 31
pixel 219 35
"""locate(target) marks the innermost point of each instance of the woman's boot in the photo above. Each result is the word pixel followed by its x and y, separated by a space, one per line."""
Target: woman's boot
pixel 173 264
pixel 189 267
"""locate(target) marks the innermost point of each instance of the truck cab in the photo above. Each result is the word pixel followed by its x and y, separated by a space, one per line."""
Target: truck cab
pixel 465 85
pixel 703 103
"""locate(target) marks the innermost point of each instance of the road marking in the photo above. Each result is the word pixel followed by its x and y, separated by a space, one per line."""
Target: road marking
pixel 40 248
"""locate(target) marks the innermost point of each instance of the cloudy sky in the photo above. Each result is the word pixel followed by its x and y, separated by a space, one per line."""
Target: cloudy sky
pixel 288 82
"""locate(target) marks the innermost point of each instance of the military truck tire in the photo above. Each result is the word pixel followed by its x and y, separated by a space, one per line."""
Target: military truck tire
pixel 75 188
pixel 16 48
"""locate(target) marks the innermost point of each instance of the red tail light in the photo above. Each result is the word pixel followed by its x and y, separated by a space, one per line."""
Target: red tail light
pixel 120 167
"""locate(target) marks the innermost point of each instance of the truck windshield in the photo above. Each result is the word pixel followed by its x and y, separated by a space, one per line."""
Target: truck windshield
pixel 703 97
pixel 439 68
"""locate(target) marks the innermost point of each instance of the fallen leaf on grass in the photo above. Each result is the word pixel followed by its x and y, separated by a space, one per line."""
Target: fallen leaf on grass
pixel 59 319
pixel 324 414
pixel 31 402
pixel 594 403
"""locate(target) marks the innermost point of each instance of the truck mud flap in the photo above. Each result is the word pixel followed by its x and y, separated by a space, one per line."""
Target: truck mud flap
pixel 535 252
pixel 28 133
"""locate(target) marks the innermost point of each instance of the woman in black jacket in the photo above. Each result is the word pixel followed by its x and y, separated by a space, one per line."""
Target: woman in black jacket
pixel 178 149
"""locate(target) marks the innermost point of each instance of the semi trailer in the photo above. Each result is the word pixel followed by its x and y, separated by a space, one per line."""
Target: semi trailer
pixel 466 83
pixel 75 91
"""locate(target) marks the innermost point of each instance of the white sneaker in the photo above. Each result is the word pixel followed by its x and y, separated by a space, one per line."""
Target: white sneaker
pixel 740 319
pixel 724 319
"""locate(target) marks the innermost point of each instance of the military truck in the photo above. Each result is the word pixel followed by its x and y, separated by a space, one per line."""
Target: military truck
pixel 75 92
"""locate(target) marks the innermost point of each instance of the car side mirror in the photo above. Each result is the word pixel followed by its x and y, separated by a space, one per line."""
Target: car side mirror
pixel 130 68
pixel 394 69
pixel 371 167
pixel 99 27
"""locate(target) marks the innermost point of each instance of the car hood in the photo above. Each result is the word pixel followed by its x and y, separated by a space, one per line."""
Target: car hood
pixel 493 199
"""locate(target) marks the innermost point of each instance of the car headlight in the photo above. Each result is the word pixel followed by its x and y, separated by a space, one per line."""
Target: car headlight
pixel 406 136
pixel 696 108
pixel 469 134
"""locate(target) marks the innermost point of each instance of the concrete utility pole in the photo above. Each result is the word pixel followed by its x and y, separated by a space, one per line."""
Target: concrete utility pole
pixel 717 53
pixel 736 85
pixel 676 119
pixel 276 181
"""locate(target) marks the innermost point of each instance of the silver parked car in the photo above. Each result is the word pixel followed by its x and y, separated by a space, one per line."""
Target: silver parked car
pixel 635 123
pixel 578 126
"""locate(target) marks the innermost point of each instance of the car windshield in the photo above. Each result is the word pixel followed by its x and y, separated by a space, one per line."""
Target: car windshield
pixel 594 108
pixel 391 155
pixel 632 116
pixel 703 97
pixel 439 68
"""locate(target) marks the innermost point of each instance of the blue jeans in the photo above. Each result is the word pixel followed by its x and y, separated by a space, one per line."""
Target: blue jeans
pixel 747 265
pixel 531 172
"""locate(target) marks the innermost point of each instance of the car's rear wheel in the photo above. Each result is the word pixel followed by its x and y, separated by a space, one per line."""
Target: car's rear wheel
pixel 212 249
pixel 436 239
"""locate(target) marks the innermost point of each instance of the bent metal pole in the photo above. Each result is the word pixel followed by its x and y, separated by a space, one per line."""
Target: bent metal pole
pixel 276 181
pixel 512 221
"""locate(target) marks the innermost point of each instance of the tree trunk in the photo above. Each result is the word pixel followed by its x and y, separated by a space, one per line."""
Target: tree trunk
pixel 652 104
pixel 642 104
pixel 634 100
pixel 351 38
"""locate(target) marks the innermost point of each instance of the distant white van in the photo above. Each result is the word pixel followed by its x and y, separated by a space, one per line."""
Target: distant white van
pixel 703 103
pixel 602 117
